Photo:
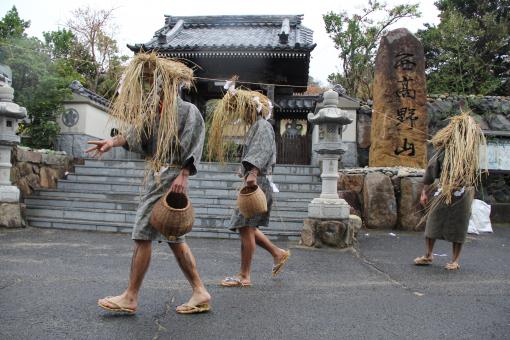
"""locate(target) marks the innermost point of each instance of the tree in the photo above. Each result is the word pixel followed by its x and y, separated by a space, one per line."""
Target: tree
pixel 357 37
pixel 468 51
pixel 70 56
pixel 314 87
pixel 37 84
pixel 94 30
pixel 12 26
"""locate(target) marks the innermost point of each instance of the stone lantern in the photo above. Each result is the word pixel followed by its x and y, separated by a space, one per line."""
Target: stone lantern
pixel 329 222
pixel 330 148
pixel 10 114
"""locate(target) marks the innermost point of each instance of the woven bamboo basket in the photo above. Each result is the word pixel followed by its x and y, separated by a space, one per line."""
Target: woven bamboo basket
pixel 251 201
pixel 173 215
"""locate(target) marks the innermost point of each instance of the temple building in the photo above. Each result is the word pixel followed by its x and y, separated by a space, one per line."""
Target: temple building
pixel 269 53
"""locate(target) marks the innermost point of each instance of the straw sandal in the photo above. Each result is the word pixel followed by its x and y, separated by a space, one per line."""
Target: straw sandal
pixel 189 309
pixel 234 282
pixel 422 261
pixel 116 307
pixel 452 266
pixel 277 268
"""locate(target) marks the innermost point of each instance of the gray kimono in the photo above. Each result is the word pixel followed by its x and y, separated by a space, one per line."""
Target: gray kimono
pixel 191 140
pixel 259 151
pixel 447 221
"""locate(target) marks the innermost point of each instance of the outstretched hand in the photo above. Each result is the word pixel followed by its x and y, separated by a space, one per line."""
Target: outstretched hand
pixel 99 148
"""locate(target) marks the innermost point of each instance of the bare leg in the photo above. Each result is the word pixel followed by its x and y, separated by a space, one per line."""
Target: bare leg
pixel 427 259
pixel 139 265
pixel 264 242
pixel 187 263
pixel 430 247
pixel 248 245
pixel 456 248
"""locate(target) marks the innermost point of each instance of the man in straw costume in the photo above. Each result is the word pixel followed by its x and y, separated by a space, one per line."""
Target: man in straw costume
pixel 456 166
pixel 249 110
pixel 156 123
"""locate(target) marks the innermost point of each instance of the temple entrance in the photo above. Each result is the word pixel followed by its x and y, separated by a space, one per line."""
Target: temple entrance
pixel 294 142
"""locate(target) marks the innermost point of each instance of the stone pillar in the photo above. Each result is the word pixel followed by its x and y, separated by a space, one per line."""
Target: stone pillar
pixel 399 116
pixel 328 215
pixel 10 113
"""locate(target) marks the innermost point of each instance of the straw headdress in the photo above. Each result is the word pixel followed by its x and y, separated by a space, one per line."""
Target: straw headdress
pixel 147 98
pixel 236 111
pixel 462 142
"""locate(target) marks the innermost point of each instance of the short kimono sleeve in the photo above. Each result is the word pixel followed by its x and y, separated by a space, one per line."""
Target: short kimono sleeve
pixel 191 140
pixel 433 170
pixel 260 151
pixel 133 142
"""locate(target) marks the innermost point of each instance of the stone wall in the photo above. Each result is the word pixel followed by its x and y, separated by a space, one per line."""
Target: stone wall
pixel 384 198
pixel 33 169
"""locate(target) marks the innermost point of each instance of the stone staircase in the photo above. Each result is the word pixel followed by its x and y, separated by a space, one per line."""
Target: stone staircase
pixel 103 195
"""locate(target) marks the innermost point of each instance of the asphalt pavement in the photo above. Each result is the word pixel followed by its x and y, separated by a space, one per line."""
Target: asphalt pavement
pixel 50 281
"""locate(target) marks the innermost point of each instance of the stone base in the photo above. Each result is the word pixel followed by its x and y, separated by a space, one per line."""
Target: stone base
pixel 9 194
pixel 332 233
pixel 328 209
pixel 10 215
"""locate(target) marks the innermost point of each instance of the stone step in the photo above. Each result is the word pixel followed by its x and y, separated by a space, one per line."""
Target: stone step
pixel 206 166
pixel 281 235
pixel 127 210
pixel 127 217
pixel 77 200
pixel 81 171
pixel 99 196
pixel 291 201
pixel 206 188
pixel 225 183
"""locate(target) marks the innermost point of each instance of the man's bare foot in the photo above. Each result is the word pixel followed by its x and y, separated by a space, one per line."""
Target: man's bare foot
pixel 423 260
pixel 281 254
pixel 236 281
pixel 452 266
pixel 279 261
pixel 198 298
pixel 121 303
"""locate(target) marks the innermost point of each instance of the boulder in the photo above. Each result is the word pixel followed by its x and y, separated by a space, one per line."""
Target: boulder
pixel 355 223
pixel 499 122
pixel 54 159
pixel 351 182
pixel 25 169
pixel 10 215
pixel 379 204
pixel 410 210
pixel 352 199
pixel 308 232
pixel 332 233
pixel 25 155
pixel 49 177
pixel 24 187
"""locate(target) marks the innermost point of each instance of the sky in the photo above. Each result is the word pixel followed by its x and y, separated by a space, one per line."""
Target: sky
pixel 136 21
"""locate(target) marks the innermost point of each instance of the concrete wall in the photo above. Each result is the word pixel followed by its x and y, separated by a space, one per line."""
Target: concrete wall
pixel 90 121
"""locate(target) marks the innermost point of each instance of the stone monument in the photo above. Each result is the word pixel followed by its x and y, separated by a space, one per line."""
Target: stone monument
pixel 328 219
pixel 10 113
pixel 399 115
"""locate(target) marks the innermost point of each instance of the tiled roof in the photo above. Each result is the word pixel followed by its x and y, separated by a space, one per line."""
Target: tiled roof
pixel 78 88
pixel 232 33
